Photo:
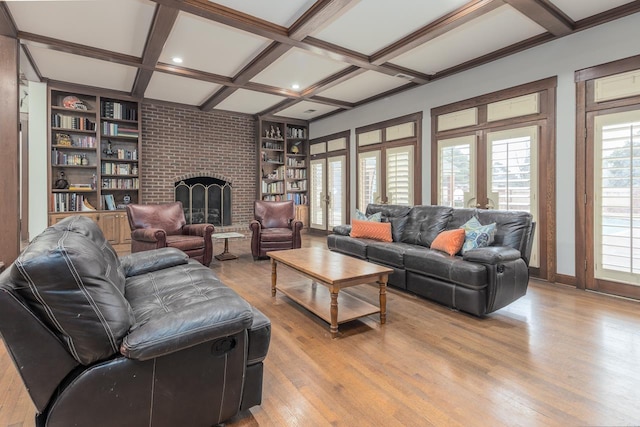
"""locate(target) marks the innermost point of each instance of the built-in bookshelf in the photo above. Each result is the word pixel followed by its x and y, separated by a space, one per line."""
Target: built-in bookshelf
pixel 283 147
pixel 94 154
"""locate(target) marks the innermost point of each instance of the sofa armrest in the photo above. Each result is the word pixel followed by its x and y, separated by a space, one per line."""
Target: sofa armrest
pixel 195 324
pixel 151 235
pixel 342 230
pixel 145 262
pixel 201 230
pixel 492 255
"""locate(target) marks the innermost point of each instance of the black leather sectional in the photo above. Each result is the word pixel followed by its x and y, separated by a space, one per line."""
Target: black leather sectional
pixel 151 339
pixel 480 282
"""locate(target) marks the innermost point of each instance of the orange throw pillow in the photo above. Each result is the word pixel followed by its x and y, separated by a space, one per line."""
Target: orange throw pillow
pixel 449 241
pixel 373 230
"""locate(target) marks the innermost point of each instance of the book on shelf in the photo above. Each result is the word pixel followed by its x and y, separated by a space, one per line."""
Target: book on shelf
pixel 109 202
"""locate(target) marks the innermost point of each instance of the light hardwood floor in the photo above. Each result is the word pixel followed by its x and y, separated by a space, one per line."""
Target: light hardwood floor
pixel 557 357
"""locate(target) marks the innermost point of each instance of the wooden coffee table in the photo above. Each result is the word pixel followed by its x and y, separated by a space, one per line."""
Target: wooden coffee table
pixel 335 271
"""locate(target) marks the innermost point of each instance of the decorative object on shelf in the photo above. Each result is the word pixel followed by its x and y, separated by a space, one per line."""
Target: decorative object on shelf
pixel 295 149
pixel 93 181
pixel 84 160
pixel 74 103
pixel 64 139
pixel 134 170
pixel 272 132
pixel 126 199
pixel 61 183
pixel 109 151
pixel 278 134
pixel 86 206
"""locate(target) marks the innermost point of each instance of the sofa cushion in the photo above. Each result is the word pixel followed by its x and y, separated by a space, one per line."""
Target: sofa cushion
pixel 348 245
pixel 434 263
pixel 374 217
pixel 276 235
pixel 183 305
pixel 371 230
pixel 87 227
pixel 185 243
pixel 388 253
pixel 425 223
pixel 477 235
pixel 449 241
pixel 68 282
pixel 388 211
pixel 511 227
pixel 397 227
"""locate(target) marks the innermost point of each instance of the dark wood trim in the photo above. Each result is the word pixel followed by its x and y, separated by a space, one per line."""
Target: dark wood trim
pixel 31 65
pixel 607 69
pixel 9 145
pixel 7 24
pixel 274 51
pixel 163 21
pixel 193 74
pixel 540 13
pixel 565 279
pixel 78 49
pixel 609 15
pixel 317 16
pixel 580 187
pixel 390 122
pixel 91 90
pixel 279 107
pixel 354 58
pixel 437 28
pixel 24 172
pixel 333 80
pixel 500 53
pixel 333 102
pixel 499 95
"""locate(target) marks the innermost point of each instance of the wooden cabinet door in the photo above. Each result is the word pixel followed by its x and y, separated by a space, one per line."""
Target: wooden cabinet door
pixel 110 225
pixel 125 230
pixel 56 218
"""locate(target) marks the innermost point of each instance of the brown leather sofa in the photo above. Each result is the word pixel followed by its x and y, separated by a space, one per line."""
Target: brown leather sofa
pixel 274 228
pixel 164 225
pixel 151 339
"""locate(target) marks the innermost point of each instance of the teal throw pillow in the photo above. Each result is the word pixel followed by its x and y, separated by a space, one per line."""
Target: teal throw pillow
pixel 477 235
pixel 361 216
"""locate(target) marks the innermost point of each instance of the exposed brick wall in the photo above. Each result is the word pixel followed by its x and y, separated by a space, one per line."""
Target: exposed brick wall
pixel 177 142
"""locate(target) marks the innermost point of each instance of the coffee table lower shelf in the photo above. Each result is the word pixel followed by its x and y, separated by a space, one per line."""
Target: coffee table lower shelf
pixel 316 298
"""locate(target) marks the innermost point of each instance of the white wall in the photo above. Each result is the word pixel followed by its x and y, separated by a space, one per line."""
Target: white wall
pixel 37 161
pixel 605 43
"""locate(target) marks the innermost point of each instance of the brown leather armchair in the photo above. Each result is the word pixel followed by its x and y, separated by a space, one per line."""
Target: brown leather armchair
pixel 160 226
pixel 274 228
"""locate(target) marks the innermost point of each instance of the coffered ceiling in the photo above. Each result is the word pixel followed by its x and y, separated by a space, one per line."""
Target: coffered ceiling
pixel 295 58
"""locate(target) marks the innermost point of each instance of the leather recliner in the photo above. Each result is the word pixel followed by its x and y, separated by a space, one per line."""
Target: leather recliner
pixel 274 228
pixel 151 339
pixel 164 225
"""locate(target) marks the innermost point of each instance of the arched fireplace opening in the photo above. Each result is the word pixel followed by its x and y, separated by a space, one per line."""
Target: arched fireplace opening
pixel 205 200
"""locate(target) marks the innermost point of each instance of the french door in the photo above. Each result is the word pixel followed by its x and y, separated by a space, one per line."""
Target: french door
pixel 329 193
pixel 495 169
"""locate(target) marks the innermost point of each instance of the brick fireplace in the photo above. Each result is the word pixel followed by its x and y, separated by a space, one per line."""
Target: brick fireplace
pixel 180 143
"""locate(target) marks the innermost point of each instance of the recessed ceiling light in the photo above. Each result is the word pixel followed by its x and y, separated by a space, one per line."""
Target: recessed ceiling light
pixel 177 59
pixel 295 86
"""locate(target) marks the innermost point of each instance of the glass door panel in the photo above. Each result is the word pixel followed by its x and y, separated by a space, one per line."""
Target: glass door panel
pixel 318 194
pixel 512 179
pixel 400 175
pixel 617 197
pixel 368 179
pixel 336 187
pixel 456 172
